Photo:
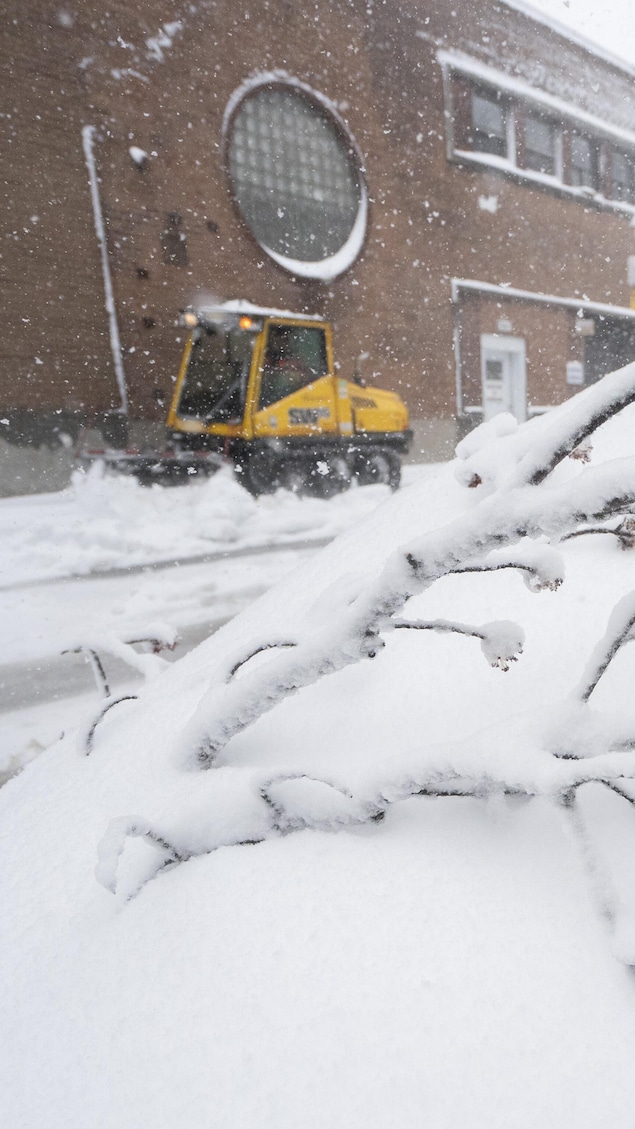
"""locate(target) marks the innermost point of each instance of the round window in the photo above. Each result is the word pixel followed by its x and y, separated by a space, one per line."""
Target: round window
pixel 295 177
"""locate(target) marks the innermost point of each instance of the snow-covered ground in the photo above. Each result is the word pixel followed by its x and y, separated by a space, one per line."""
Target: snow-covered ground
pixel 105 522
pixel 107 556
pixel 277 941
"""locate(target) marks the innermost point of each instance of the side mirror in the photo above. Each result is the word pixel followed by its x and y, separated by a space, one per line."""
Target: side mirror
pixel 357 375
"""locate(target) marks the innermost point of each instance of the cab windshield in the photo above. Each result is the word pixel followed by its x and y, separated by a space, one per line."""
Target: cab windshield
pixel 215 384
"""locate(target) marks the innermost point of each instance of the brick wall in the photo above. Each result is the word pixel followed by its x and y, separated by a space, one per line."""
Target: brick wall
pixel 378 64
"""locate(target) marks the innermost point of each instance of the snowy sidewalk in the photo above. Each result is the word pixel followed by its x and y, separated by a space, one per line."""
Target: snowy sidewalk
pixel 109 556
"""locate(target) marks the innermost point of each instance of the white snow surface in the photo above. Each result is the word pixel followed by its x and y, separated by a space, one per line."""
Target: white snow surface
pixel 104 522
pixel 94 561
pixel 139 156
pixel 466 961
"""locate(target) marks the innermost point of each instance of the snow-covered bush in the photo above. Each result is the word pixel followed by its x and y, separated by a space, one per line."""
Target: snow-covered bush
pixel 360 875
pixel 527 504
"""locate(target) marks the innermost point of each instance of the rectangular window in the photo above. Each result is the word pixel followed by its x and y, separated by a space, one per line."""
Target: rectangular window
pixel 295 356
pixel 583 170
pixel 541 139
pixel 621 179
pixel 488 131
pixel 218 369
pixel 519 131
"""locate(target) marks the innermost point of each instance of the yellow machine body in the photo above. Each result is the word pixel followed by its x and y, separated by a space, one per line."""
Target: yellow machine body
pixel 260 387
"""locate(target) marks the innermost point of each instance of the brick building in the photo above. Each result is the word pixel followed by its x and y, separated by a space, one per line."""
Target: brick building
pixel 451 184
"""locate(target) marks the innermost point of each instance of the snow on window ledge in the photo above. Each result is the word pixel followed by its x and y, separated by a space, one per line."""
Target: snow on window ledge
pixel 504 165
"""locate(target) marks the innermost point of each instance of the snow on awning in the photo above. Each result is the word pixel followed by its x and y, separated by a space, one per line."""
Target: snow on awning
pixel 503 291
pixel 570 33
pixel 460 63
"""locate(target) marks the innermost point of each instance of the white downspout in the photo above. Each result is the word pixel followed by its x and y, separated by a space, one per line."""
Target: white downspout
pixel 88 136
pixel 456 340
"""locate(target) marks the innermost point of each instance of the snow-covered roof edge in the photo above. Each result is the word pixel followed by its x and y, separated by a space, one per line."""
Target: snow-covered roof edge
pixel 241 306
pixel 569 33
pixel 468 65
pixel 503 291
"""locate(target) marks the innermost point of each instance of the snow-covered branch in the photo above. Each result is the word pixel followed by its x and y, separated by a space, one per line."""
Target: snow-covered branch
pixel 584 414
pixel 618 632
pixel 292 802
pixel 501 641
pixel 501 455
pixel 298 801
pixel 540 565
pixel 533 579
pixel 498 521
pixel 161 637
pixel 113 842
pixel 508 528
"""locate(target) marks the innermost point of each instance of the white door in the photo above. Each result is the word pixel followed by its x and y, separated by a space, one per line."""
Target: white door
pixel 504 376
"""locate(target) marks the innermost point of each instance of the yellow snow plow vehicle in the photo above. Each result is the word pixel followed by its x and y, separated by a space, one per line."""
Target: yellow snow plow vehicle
pixel 258 388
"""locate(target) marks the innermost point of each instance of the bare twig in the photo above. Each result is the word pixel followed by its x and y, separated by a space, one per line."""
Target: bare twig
pixel 613 786
pixel 441 625
pixel 625 532
pixel 99 673
pixel 157 645
pixel 88 744
pixel 552 584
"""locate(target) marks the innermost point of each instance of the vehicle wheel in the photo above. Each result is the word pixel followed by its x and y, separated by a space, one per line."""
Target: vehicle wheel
pixel 260 473
pixel 381 466
pixel 332 475
pixel 294 476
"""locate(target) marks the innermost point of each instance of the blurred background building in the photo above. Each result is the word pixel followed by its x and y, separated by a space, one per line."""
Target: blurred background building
pixel 451 184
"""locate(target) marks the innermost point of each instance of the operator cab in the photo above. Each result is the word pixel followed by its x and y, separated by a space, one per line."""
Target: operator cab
pixel 219 362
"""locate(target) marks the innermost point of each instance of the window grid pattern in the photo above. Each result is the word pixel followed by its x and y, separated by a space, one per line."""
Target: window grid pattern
pixel 293 176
